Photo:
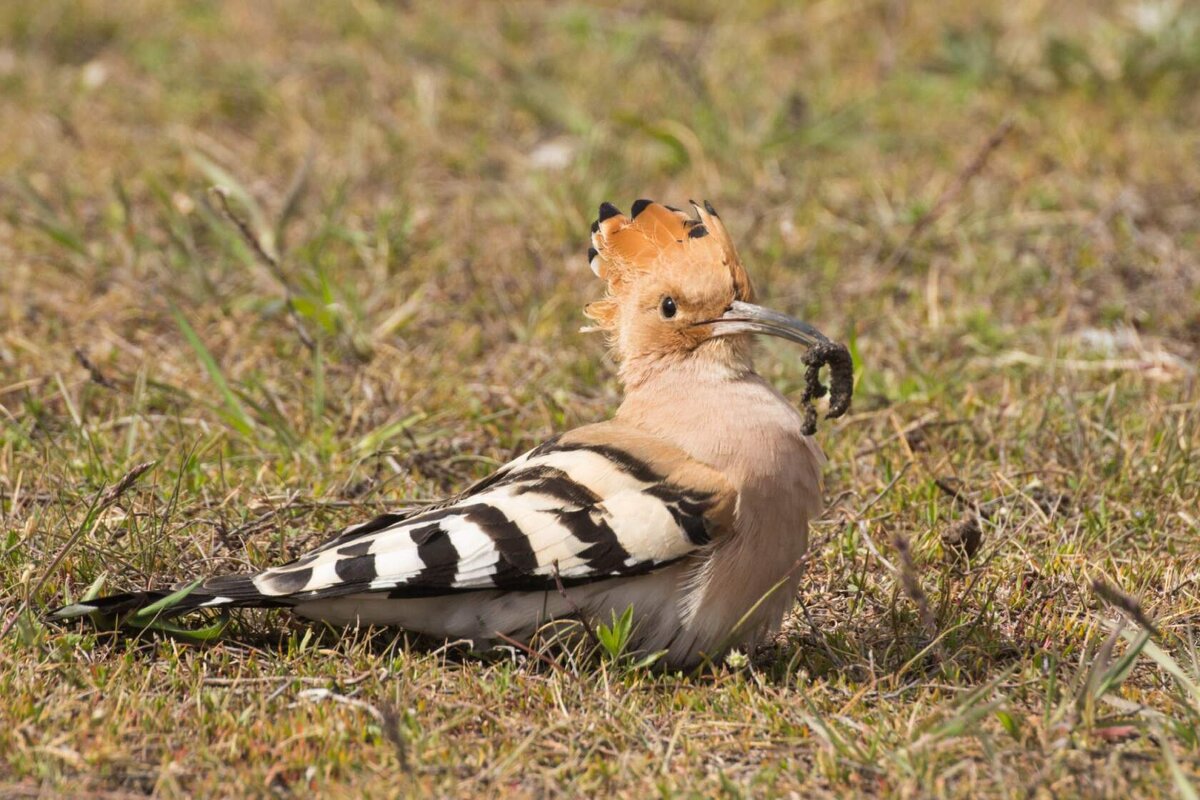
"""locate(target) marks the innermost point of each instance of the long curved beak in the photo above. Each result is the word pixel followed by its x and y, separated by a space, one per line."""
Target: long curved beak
pixel 749 318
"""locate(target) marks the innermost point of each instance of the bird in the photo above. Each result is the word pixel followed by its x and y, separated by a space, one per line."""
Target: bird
pixel 691 505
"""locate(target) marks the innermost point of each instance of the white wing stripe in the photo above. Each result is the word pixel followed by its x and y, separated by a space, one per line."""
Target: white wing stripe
pixel 396 556
pixel 643 525
pixel 477 551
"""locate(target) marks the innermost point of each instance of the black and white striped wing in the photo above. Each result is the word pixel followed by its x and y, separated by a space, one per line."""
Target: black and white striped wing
pixel 602 501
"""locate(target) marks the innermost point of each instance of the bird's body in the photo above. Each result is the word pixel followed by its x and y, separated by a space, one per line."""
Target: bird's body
pixel 691 505
pixel 692 604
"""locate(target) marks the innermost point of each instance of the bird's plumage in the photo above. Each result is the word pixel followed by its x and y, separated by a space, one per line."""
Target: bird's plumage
pixel 692 504
pixel 602 501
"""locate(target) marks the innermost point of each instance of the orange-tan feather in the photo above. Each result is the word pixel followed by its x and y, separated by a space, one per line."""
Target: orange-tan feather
pixel 741 279
pixel 660 240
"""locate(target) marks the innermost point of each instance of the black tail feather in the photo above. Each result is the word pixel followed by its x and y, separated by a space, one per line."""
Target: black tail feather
pixel 223 591
pixel 116 605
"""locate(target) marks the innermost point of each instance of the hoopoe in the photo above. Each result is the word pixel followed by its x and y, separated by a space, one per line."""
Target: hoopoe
pixel 691 504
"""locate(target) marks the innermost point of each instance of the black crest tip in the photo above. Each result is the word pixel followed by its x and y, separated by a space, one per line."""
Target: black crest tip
pixel 639 206
pixel 608 211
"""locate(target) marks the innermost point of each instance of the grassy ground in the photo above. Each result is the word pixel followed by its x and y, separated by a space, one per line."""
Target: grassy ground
pixel 1028 330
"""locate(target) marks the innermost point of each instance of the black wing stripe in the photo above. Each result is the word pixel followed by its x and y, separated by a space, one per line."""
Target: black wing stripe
pixel 289 582
pixel 687 508
pixel 627 463
pixel 356 570
pixel 555 483
pixel 356 532
pixel 516 557
pixel 548 446
pixel 529 583
pixel 604 553
pixel 439 556
pixel 356 549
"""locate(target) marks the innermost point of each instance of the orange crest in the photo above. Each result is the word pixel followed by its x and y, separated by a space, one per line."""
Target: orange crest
pixel 657 240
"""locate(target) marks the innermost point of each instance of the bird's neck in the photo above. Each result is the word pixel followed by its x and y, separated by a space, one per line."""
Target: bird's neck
pixel 720 411
pixel 717 408
pixel 715 361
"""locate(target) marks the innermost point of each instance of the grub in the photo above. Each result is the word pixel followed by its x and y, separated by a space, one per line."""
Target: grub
pixel 841 382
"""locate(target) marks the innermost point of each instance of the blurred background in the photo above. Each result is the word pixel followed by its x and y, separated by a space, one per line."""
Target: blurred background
pixel 447 159
pixel 996 204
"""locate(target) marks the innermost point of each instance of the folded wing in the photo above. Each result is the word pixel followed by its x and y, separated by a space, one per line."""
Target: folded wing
pixel 602 501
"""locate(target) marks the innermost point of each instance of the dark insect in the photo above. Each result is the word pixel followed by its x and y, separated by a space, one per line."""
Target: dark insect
pixel 841 382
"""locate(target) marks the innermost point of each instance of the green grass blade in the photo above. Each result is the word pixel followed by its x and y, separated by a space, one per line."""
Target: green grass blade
pixel 203 635
pixel 93 591
pixel 1164 660
pixel 235 413
pixel 152 610
pixel 1183 785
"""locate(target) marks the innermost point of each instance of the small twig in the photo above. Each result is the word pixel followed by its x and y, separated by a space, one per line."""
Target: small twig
pixel 583 620
pixel 1046 501
pixel 1115 597
pixel 96 375
pixel 268 260
pixel 384 714
pixel 291 201
pixel 864 533
pixel 884 492
pixel 102 501
pixel 390 724
pixel 919 424
pixel 818 636
pixel 261 520
pixel 253 679
pixel 248 235
pixel 955 490
pixel 912 587
pixel 113 494
pixel 964 177
pixel 545 659
pixel 316 695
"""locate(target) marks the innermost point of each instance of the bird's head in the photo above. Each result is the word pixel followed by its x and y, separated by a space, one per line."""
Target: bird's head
pixel 677 290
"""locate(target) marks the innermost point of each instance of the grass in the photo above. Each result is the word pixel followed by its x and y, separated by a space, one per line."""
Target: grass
pixel 1027 332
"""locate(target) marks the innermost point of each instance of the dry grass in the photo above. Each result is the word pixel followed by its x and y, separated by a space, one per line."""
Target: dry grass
pixel 1027 332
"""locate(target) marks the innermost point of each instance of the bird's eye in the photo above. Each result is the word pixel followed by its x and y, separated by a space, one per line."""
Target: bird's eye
pixel 668 307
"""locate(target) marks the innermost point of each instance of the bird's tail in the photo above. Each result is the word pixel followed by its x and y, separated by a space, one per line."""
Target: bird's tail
pixel 224 591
